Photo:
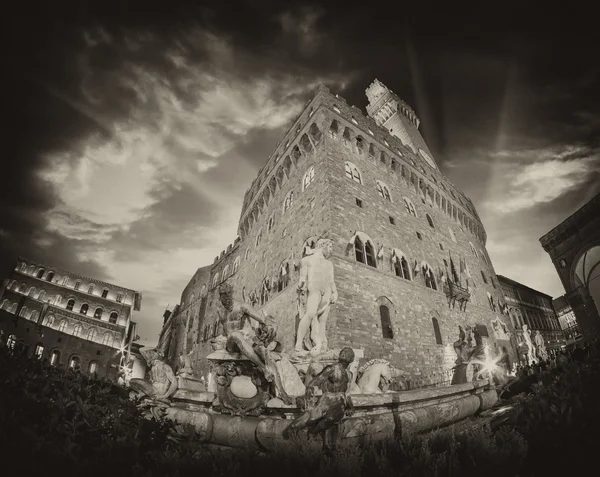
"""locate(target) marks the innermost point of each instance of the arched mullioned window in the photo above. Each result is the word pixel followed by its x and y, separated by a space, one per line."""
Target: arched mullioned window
pixel 31 270
pixel 34 315
pixel 107 339
pixel 23 288
pixel 410 208
pixel 5 305
pixel 91 335
pixel 58 300
pixel 70 304
pixel 309 177
pixel 49 321
pixel 383 191
pixel 236 264
pixel 14 286
pixel 77 330
pixel 113 317
pixel 225 273
pixel 22 267
pixel 364 249
pixel 62 326
pixel 32 290
pixel 84 309
pixel 215 280
pixel 98 313
pixel 436 331
pixel 40 273
pixel 23 311
pixel 400 264
pixel 289 201
pixel 352 172
pixel 50 276
pixel 42 295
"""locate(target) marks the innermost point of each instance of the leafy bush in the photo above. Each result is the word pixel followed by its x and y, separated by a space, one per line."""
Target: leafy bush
pixel 64 423
pixel 560 419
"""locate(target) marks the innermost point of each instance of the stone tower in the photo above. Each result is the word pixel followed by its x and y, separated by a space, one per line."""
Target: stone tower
pixel 393 114
pixel 401 233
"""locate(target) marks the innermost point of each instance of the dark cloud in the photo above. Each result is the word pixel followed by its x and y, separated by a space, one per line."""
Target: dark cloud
pixel 177 218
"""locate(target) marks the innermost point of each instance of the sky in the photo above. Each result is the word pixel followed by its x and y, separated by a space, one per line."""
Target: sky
pixel 134 128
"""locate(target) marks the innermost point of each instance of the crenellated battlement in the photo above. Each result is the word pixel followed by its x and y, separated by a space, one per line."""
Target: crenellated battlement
pixel 354 117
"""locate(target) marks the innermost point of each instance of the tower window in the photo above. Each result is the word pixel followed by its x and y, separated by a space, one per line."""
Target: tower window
pixel 392 221
pixel 359 203
pixel 105 293
pixel 352 172
pixel 436 330
pixel 419 236
pixel 365 252
pixel 386 322
pixel 429 220
pixel 401 268
pixel 441 247
pixel 383 191
pixel 309 177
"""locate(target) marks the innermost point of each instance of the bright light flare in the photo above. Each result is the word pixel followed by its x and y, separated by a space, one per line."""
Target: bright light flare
pixel 489 364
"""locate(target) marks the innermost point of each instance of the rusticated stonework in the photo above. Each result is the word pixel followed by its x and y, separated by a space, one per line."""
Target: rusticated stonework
pixel 397 225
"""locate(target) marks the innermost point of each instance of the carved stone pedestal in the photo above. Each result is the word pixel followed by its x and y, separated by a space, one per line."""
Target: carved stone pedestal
pixel 189 383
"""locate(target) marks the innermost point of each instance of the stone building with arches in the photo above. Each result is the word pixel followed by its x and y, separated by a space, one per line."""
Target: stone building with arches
pixel 409 249
pixel 574 248
pixel 71 320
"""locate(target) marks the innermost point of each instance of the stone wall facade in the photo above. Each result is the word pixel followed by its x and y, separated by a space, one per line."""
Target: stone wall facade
pixel 534 309
pixel 88 315
pixel 92 356
pixel 344 174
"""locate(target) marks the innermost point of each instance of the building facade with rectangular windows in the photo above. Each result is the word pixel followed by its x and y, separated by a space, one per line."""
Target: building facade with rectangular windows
pixel 535 309
pixel 409 251
pixel 72 320
pixel 567 320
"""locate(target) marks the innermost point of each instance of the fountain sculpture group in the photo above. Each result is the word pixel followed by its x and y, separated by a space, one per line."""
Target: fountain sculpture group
pixel 259 395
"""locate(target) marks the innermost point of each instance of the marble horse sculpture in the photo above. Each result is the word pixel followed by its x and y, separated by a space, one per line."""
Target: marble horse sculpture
pixel 375 376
